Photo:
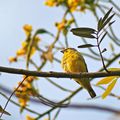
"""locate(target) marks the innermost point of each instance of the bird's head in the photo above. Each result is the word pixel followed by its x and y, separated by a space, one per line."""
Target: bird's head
pixel 68 50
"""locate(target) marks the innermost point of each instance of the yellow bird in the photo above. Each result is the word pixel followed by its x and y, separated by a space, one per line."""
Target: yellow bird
pixel 73 62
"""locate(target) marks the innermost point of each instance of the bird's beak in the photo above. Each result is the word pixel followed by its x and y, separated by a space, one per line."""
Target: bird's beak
pixel 62 51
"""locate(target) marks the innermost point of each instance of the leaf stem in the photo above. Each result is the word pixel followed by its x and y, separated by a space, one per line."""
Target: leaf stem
pixel 98 45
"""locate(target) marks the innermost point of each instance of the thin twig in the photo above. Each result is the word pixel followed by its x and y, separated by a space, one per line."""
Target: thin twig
pixel 111 61
pixel 11 96
pixel 115 5
pixel 15 103
pixel 57 113
pixel 58 86
pixel 59 104
pixel 66 42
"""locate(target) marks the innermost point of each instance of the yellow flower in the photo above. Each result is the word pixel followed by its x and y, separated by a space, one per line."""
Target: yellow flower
pixel 23 101
pixel 69 22
pixel 60 26
pixel 21 52
pixel 29 117
pixel 24 44
pixel 28 85
pixel 27 28
pixel 73 4
pixel 25 91
pixel 51 3
pixel 33 51
pixel 12 59
pixel 30 78
pixel 64 24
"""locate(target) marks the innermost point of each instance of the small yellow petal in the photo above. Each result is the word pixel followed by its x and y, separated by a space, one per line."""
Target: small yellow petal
pixel 21 52
pixel 29 118
pixel 109 89
pixel 106 80
pixel 12 59
pixel 27 28
pixel 33 51
pixel 50 3
pixel 24 44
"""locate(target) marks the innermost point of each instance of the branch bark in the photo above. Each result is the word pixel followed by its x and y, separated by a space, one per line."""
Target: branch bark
pixel 58 74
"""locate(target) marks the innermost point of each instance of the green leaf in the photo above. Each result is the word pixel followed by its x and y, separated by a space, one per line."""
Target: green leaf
pixel 109 89
pixel 106 15
pixel 43 31
pixel 84 32
pixel 85 35
pixel 84 29
pixel 86 46
pixel 107 21
pixel 111 23
pixel 99 24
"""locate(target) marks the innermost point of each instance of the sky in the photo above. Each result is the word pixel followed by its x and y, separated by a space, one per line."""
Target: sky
pixel 16 13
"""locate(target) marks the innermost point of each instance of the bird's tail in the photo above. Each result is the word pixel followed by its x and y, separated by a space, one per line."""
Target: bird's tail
pixel 86 84
pixel 91 92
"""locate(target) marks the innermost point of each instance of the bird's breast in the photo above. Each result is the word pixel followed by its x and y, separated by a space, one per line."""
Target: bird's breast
pixel 74 64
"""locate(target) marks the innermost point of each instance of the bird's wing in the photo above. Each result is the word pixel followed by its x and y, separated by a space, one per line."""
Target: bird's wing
pixel 81 58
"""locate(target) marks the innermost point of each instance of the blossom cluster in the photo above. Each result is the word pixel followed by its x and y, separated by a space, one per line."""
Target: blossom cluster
pixel 25 44
pixel 72 5
pixel 25 91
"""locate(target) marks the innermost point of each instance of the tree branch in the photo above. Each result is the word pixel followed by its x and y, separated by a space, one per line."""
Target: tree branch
pixel 59 74
pixel 94 107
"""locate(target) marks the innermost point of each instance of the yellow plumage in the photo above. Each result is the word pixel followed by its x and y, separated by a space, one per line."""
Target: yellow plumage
pixel 73 62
